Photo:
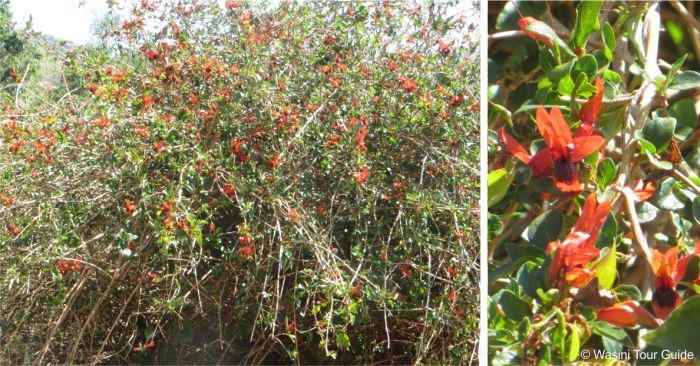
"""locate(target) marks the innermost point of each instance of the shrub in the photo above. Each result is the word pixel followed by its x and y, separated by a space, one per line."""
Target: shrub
pixel 269 184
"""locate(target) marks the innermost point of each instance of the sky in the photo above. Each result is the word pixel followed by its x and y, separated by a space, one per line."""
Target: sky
pixel 63 19
pixel 67 19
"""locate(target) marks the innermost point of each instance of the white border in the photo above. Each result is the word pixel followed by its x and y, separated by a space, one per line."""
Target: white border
pixel 483 162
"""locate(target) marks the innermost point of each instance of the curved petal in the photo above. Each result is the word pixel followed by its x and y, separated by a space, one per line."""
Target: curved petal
pixel 584 146
pixel 541 162
pixel 513 146
pixel 544 127
pixel 561 129
pixel 590 111
pixel 589 208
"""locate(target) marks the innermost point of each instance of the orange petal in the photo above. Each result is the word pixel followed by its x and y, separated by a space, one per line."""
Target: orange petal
pixel 627 314
pixel 541 162
pixel 584 146
pixel 561 129
pixel 545 127
pixel 590 111
pixel 587 212
pixel 578 277
pixel 513 146
pixel 621 314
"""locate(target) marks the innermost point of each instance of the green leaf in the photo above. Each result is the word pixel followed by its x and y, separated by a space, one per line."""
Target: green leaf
pixel 686 117
pixel 659 131
pixel 606 172
pixel 508 268
pixel 646 212
pixel 608 35
pixel 696 209
pixel 686 80
pixel 607 233
pixel 587 65
pixel 342 340
pixel 611 121
pixel 499 109
pixel 531 277
pixel 673 333
pixel 544 229
pixel 664 197
pixel 606 268
pixel 674 69
pixel 513 306
pixel 547 59
pixel 663 165
pixel 586 22
pixel 574 341
pixel 628 292
pixel 498 182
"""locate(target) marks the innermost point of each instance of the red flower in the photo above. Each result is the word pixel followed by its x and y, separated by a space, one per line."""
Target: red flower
pixel 562 152
pixel 444 48
pixel 130 208
pixel 148 101
pixel 360 139
pixel 451 272
pixel 456 100
pixel 229 190
pixel 159 146
pixel 361 176
pixel 452 296
pixel 590 111
pixel 627 314
pixel 275 161
pixel 409 85
pixel 669 272
pixel 293 214
pixel 578 248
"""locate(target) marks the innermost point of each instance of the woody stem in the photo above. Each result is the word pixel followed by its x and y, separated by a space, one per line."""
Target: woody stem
pixel 639 237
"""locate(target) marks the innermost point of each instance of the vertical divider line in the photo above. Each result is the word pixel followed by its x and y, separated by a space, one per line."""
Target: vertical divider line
pixel 483 162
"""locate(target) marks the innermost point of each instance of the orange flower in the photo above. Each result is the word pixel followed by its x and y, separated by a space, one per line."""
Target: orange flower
pixel 669 272
pixel 361 176
pixel 590 111
pixel 130 207
pixel 562 152
pixel 360 139
pixel 627 314
pixel 570 257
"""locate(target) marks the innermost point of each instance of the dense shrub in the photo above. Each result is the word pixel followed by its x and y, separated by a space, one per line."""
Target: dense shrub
pixel 259 184
pixel 593 183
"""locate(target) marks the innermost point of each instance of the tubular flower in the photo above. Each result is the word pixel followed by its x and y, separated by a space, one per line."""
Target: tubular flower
pixel 669 272
pixel 571 256
pixel 627 314
pixel 562 152
pixel 590 111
